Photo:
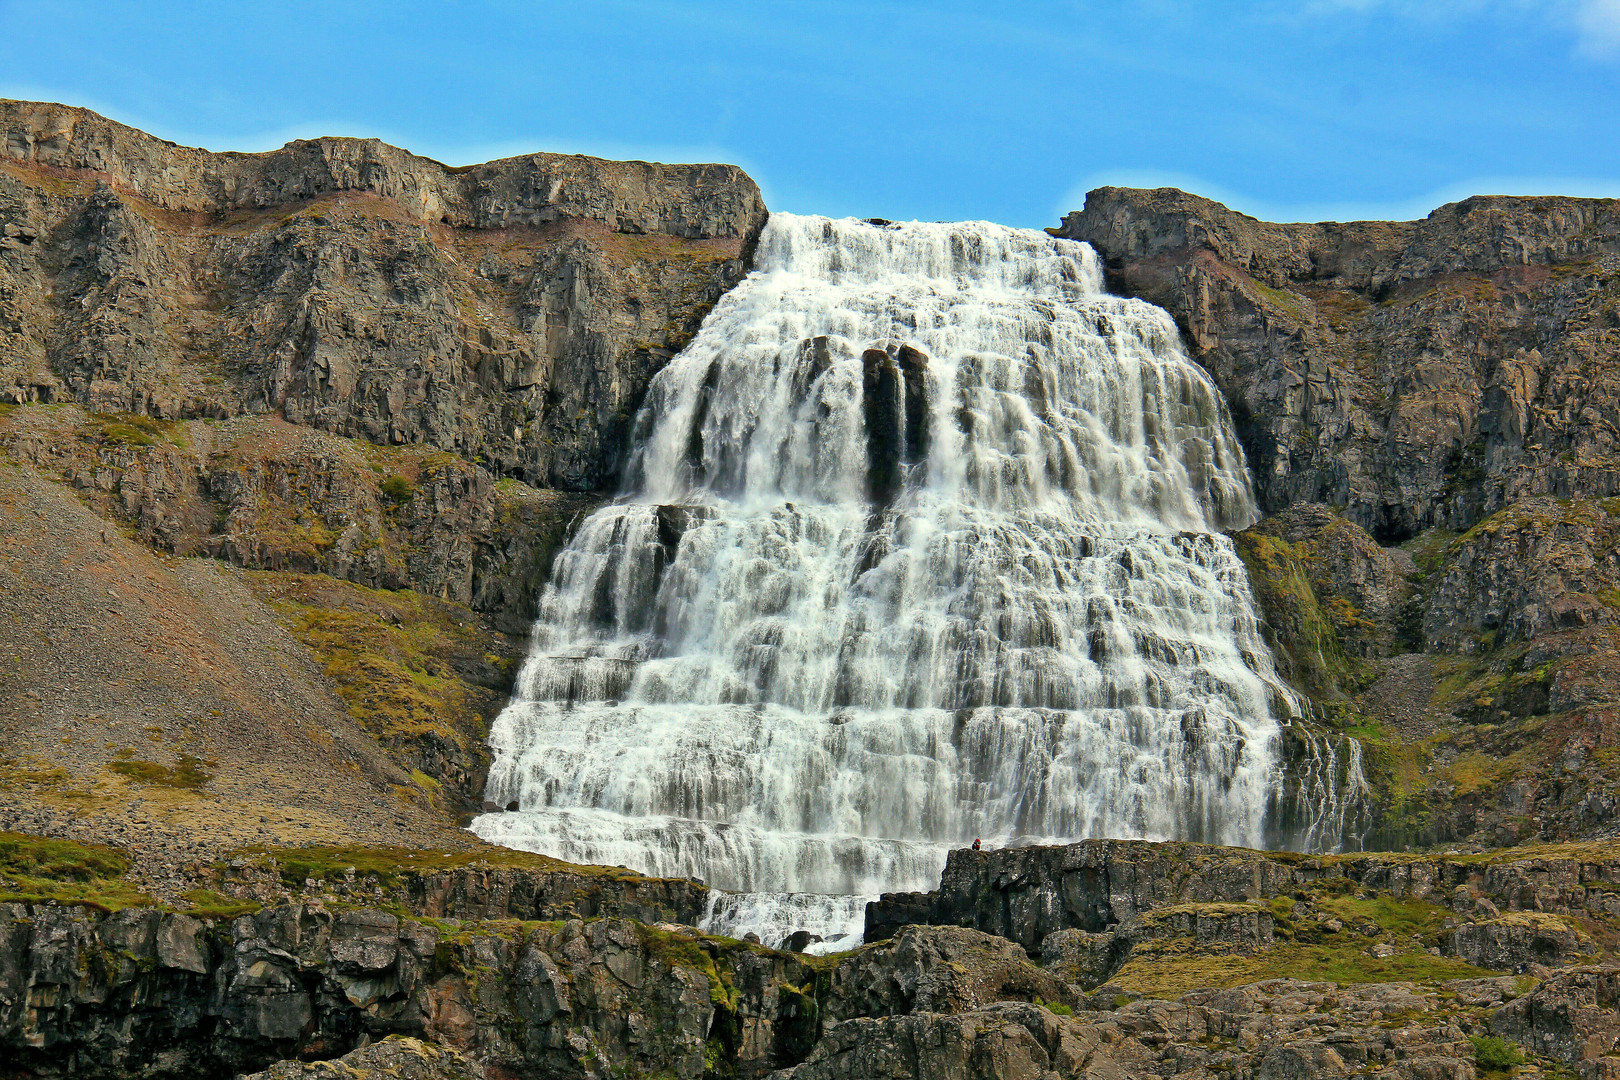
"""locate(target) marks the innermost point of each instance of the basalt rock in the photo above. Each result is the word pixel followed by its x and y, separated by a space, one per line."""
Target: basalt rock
pixel 938 969
pixel 145 993
pixel 479 892
pixel 1572 1015
pixel 1414 374
pixel 510 312
pixel 1519 940
pixel 395 1058
pixel 1126 888
pixel 266 495
pixel 1000 1041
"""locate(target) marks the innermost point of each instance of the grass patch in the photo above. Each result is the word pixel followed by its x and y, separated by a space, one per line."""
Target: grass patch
pixel 189 772
pixel 397 490
pixel 408 667
pixel 1172 968
pixel 1495 1055
pixel 207 904
pixel 129 429
pixel 37 870
pixel 1403 918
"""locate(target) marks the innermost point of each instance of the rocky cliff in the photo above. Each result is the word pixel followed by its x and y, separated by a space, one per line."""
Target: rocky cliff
pixel 1416 374
pixel 510 312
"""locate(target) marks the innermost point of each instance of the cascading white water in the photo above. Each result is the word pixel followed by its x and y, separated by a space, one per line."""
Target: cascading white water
pixel 920 542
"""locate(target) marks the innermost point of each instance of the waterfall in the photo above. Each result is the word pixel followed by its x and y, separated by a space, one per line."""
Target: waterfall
pixel 920 542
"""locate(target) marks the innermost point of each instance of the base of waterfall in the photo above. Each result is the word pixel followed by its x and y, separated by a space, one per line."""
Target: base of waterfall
pixel 771 884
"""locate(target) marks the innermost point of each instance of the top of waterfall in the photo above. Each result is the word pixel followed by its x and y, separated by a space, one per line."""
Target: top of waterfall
pixel 944 254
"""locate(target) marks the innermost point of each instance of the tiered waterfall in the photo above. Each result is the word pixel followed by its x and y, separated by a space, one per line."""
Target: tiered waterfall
pixel 920 542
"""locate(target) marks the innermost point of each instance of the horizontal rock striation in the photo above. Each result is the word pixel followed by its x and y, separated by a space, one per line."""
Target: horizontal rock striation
pixel 510 312
pixel 547 893
pixel 266 495
pixel 1416 374
pixel 1025 894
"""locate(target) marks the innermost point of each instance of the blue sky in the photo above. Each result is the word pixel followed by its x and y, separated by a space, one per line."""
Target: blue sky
pixel 1306 110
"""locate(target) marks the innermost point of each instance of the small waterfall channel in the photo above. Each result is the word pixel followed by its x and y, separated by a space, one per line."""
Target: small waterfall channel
pixel 921 541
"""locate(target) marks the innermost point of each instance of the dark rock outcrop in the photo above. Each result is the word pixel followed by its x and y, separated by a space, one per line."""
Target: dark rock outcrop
pixel 1573 1016
pixel 1004 1040
pixel 510 312
pixel 1519 940
pixel 477 892
pixel 266 495
pixel 1416 374
pixel 1100 886
pixel 144 993
pixel 397 1057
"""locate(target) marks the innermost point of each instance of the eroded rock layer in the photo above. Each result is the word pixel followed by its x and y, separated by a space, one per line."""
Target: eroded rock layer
pixel 510 312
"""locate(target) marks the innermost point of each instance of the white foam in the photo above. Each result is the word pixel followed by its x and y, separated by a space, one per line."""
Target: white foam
pixel 783 689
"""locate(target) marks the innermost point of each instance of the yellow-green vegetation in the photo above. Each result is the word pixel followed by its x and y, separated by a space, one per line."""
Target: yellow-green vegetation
pixel 129 429
pixel 1305 948
pixel 1340 307
pixel 188 772
pixel 408 666
pixel 16 773
pixel 1494 1055
pixel 36 870
pixel 1306 635
pixel 207 904
pixel 658 247
pixel 679 950
pixel 397 490
pixel 1290 302
pixel 1430 549
pixel 1170 969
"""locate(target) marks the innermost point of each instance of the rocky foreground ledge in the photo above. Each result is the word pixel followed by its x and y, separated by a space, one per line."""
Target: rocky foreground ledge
pixel 1111 959
pixel 1503 909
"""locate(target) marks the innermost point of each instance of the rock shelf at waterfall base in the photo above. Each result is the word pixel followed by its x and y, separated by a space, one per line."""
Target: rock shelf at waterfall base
pixel 1152 960
pixel 921 542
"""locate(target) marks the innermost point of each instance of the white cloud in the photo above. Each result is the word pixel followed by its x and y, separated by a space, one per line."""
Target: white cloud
pixel 1598 22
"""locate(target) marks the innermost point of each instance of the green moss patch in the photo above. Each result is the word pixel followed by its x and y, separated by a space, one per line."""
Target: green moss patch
pixel 129 429
pixel 207 904
pixel 1172 968
pixel 414 671
pixel 189 772
pixel 37 870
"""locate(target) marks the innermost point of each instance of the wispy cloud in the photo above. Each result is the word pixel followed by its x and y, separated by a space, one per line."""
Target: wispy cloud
pixel 1599 24
pixel 1595 24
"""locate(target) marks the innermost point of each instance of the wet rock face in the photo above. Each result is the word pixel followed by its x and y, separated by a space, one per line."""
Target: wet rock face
pixel 1416 374
pixel 512 311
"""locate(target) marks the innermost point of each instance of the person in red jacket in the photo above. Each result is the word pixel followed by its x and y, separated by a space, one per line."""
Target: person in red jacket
pixel 975 843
